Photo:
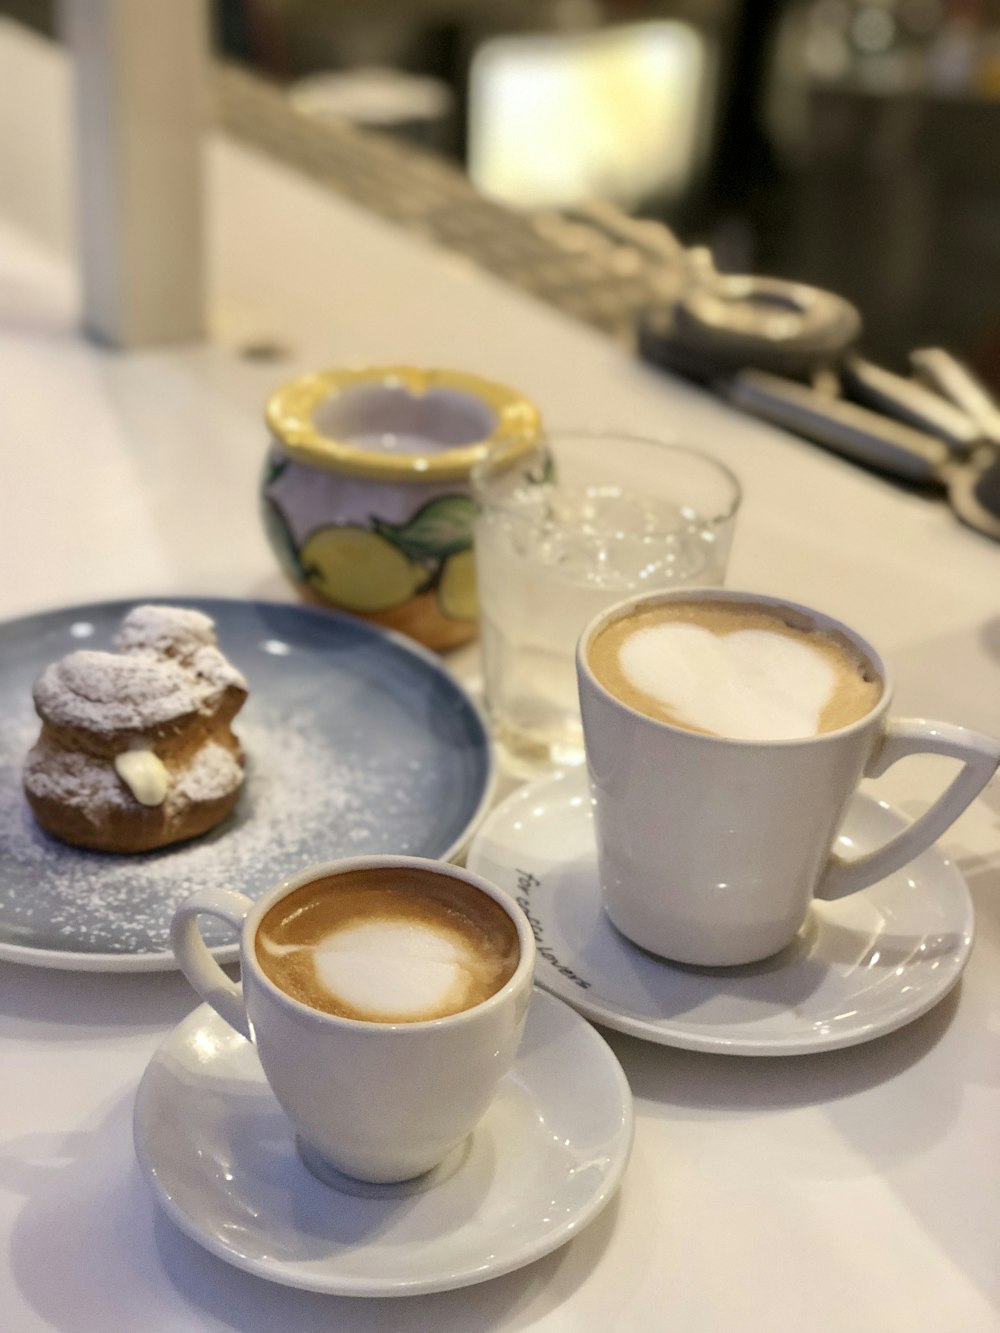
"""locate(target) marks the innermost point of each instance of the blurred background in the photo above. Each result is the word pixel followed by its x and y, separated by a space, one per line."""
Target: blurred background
pixel 853 144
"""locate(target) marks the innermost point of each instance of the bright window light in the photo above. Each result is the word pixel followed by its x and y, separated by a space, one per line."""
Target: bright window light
pixel 618 114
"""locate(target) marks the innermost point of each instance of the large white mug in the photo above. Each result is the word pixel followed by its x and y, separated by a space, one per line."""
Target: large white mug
pixel 375 1101
pixel 710 850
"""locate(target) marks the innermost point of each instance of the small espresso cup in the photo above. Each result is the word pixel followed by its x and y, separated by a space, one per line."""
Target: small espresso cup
pixel 371 1100
pixel 710 849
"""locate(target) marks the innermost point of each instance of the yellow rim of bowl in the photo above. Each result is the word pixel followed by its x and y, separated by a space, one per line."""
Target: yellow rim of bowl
pixel 289 414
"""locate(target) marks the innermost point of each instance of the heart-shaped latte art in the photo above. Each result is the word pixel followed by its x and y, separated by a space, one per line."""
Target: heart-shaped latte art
pixel 750 685
pixel 404 968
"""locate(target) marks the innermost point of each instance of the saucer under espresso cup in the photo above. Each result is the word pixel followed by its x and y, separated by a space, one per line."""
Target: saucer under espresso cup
pixel 860 967
pixel 221 1159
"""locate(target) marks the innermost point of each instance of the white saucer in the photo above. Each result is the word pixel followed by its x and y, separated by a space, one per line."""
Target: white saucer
pixel 859 967
pixel 221 1158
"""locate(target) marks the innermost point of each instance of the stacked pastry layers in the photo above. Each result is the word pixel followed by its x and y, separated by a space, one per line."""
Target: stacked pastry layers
pixel 136 749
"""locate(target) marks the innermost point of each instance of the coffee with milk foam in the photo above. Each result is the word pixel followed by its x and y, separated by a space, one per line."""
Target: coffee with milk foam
pixel 388 945
pixel 742 670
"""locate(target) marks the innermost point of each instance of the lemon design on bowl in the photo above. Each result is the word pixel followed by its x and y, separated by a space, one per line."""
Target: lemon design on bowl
pixel 440 535
pixel 457 589
pixel 359 569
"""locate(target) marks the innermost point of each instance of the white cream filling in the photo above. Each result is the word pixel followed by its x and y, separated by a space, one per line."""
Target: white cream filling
pixel 145 775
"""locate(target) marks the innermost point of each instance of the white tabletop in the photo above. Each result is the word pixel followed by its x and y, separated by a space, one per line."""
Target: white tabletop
pixel 853 1190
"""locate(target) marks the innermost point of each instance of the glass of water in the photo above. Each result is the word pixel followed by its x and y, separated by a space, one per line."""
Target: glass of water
pixel 576 523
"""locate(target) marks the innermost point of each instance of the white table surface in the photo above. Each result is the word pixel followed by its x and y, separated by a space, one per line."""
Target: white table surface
pixel 854 1190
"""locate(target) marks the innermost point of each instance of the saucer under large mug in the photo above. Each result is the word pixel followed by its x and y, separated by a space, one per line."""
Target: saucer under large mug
pixel 859 968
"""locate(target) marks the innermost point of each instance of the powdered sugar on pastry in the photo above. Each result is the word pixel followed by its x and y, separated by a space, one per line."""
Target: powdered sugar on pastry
pixel 165 631
pixel 136 750
pixel 107 692
pixel 181 635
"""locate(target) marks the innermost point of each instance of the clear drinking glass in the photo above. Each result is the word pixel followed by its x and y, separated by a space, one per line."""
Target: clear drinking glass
pixel 578 522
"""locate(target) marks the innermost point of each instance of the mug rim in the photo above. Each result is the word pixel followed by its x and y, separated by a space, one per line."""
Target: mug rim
pixel 822 620
pixel 325 869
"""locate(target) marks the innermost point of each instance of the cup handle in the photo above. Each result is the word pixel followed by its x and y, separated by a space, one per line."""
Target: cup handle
pixel 198 965
pixel 902 737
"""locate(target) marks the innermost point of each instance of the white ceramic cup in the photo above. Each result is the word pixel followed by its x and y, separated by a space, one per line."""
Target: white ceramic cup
pixel 377 1102
pixel 710 849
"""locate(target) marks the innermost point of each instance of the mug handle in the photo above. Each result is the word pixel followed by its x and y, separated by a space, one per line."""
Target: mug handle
pixel 198 965
pixel 902 737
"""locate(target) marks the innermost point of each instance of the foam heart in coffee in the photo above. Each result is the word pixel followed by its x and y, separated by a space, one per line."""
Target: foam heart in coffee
pixel 751 684
pixel 397 968
pixel 391 946
pixel 732 669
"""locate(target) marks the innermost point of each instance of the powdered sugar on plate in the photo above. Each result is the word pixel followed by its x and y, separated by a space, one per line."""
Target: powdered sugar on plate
pixel 297 795
pixel 349 752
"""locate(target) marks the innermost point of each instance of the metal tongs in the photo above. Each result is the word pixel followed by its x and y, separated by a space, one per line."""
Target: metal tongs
pixel 783 351
pixel 895 425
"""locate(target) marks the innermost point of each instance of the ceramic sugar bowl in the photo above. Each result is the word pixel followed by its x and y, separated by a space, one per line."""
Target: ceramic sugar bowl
pixel 365 491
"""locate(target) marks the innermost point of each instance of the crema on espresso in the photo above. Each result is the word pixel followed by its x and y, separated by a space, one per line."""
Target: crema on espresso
pixel 742 670
pixel 388 945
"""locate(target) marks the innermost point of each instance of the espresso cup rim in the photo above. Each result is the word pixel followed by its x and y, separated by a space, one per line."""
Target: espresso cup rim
pixel 821 618
pixel 324 869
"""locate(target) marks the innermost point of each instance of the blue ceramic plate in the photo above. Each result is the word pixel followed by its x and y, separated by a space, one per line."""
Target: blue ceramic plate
pixel 357 742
